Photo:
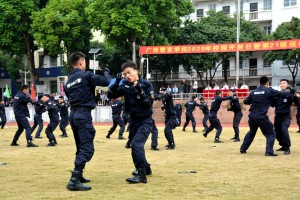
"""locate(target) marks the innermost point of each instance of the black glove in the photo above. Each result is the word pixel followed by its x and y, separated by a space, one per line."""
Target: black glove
pixel 139 88
pixel 105 69
pixel 118 78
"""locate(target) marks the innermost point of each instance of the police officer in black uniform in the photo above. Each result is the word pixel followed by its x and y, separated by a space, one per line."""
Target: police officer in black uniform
pixel 80 90
pixel 205 110
pixel 116 107
pixel 283 118
pixel 235 107
pixel 260 100
pixel 170 117
pixel 125 118
pixel 138 95
pixel 297 103
pixel 213 118
pixel 54 120
pixel 2 114
pixel 190 107
pixel 38 120
pixel 63 108
pixel 21 112
pixel 178 108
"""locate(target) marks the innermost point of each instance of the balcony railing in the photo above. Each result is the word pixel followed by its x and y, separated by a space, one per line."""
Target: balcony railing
pixel 260 15
pixel 245 72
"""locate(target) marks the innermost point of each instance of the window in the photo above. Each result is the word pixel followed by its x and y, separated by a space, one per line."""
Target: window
pixel 267 30
pixel 287 3
pixel 267 4
pixel 53 62
pixel 200 12
pixel 241 5
pixel 267 64
pixel 212 7
pixel 62 60
pixel 53 86
pixel 226 9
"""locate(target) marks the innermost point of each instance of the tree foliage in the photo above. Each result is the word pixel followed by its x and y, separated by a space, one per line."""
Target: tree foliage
pixel 141 22
pixel 15 22
pixel 286 31
pixel 62 27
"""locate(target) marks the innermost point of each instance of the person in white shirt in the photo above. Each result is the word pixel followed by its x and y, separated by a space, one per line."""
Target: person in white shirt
pixel 216 87
pixel 225 86
pixel 175 89
pixel 195 86
pixel 208 87
pixel 244 86
pixel 234 86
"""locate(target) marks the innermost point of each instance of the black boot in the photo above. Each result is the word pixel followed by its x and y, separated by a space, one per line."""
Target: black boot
pixel 51 143
pixel 194 130
pixel 237 139
pixel 170 147
pixel 14 143
pixel 108 135
pixel 30 144
pixel 84 180
pixel 140 178
pixel 121 137
pixel 148 171
pixel 128 144
pixel 75 185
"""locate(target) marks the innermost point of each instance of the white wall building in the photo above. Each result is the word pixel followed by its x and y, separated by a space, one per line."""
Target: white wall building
pixel 269 14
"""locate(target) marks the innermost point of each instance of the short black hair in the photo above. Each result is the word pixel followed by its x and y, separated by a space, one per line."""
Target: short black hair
pixel 218 92
pixel 193 97
pixel 24 87
pixel 231 90
pixel 75 57
pixel 46 95
pixel 201 98
pixel 288 82
pixel 263 80
pixel 130 64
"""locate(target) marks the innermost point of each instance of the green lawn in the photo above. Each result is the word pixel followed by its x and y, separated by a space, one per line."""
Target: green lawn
pixel 222 172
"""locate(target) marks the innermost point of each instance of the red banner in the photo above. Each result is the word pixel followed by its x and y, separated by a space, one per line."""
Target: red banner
pixel 219 48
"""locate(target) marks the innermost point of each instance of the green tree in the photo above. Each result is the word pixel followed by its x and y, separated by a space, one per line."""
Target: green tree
pixel 286 31
pixel 62 27
pixel 138 22
pixel 16 38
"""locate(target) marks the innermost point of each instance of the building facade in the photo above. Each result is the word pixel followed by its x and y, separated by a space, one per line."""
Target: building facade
pixel 269 14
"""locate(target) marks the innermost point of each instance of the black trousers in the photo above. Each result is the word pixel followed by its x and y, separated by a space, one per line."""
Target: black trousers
pixel 281 125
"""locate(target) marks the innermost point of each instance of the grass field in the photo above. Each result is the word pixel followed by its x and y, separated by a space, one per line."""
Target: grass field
pixel 222 172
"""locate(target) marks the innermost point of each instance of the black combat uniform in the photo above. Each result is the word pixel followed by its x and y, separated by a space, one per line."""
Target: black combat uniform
pixel 116 107
pixel 205 110
pixel 21 113
pixel 235 107
pixel 190 107
pixel 63 109
pixel 54 121
pixel 2 115
pixel 260 100
pixel 282 120
pixel 170 118
pixel 213 118
pixel 178 108
pixel 38 120
pixel 138 104
pixel 80 90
